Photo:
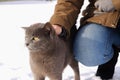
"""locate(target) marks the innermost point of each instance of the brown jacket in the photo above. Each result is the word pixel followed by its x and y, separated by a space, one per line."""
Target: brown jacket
pixel 66 14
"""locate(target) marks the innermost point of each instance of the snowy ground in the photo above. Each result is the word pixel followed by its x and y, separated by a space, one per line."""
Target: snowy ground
pixel 14 57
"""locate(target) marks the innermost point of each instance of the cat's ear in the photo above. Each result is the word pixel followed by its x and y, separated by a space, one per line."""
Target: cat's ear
pixel 50 29
pixel 48 26
pixel 25 28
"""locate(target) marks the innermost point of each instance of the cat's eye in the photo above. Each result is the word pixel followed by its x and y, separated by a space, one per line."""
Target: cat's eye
pixel 35 39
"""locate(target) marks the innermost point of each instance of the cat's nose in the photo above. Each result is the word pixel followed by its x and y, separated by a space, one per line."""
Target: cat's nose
pixel 27 44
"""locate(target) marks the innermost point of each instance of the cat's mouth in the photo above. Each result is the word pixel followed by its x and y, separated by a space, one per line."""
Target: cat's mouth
pixel 29 47
pixel 33 49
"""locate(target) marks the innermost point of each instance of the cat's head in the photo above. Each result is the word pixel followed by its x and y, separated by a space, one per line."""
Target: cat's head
pixel 39 37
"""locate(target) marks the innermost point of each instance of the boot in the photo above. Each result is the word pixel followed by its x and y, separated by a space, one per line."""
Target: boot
pixel 106 71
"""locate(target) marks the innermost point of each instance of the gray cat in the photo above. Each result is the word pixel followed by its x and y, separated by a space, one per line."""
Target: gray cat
pixel 49 54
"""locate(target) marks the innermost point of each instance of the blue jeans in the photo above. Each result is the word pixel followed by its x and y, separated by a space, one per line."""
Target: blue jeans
pixel 93 44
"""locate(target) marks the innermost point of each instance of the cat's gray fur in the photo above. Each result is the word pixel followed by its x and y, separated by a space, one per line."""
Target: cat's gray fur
pixel 49 54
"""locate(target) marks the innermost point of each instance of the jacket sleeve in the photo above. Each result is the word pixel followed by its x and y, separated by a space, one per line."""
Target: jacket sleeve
pixel 66 13
pixel 116 3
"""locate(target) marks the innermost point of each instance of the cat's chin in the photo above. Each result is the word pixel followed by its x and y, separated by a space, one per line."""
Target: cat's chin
pixel 34 50
pixel 31 48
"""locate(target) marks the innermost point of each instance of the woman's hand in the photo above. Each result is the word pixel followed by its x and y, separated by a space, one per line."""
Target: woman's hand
pixel 58 29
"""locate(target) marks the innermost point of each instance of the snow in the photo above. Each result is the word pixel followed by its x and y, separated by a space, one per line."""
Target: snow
pixel 14 56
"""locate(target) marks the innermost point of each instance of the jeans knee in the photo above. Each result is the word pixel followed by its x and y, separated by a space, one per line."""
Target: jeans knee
pixel 90 45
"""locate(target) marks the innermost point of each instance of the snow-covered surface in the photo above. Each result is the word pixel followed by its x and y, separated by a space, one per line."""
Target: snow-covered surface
pixel 14 56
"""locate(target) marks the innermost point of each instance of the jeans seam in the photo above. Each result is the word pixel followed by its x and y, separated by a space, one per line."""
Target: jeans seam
pixel 107 44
